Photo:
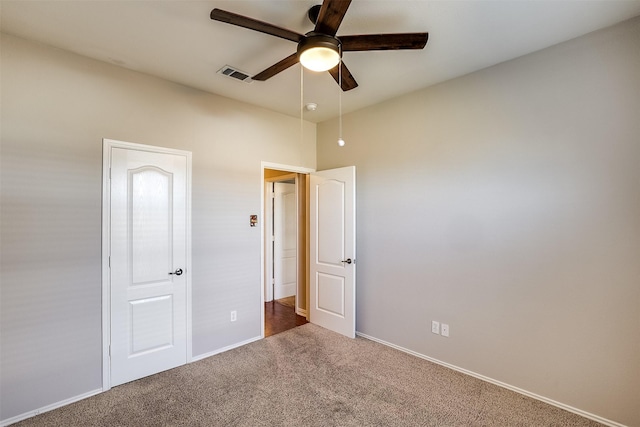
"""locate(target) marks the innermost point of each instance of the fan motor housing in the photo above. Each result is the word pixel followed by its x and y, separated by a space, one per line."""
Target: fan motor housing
pixel 313 39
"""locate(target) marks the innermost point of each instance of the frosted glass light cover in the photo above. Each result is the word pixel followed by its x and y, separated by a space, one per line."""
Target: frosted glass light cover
pixel 319 58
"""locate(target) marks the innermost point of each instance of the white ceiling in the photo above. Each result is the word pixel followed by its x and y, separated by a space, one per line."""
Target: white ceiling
pixel 177 40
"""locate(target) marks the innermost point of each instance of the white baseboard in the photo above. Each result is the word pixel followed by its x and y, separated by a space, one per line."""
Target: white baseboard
pixel 48 408
pixel 284 291
pixel 223 349
pixel 498 383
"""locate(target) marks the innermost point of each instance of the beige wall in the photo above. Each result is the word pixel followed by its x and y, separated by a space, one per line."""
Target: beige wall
pixel 506 203
pixel 56 108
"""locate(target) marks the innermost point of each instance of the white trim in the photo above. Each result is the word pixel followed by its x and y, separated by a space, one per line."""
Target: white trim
pixel 227 348
pixel 48 408
pixel 267 220
pixel 285 168
pixel 277 166
pixel 106 250
pixel 189 255
pixel 107 146
pixel 498 383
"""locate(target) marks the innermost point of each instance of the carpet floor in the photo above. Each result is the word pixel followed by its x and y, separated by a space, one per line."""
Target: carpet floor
pixel 309 376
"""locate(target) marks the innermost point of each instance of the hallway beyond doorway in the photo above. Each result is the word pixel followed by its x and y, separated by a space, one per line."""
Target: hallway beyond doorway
pixel 280 316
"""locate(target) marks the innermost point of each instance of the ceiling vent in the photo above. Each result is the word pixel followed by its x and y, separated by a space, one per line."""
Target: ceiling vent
pixel 234 73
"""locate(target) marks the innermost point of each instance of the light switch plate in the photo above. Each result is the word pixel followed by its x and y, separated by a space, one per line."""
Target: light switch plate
pixel 435 327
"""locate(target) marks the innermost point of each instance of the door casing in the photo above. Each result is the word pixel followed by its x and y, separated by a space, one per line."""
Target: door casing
pixel 107 146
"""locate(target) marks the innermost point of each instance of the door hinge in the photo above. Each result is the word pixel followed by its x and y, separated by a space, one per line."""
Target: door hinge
pixel 109 350
pixel 109 261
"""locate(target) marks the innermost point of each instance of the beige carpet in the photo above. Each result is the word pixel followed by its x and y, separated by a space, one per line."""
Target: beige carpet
pixel 309 376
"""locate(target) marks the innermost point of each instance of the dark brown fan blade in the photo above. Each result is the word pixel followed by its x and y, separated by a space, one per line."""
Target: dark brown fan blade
pixel 254 24
pixel 277 68
pixel 348 82
pixel 330 16
pixel 384 41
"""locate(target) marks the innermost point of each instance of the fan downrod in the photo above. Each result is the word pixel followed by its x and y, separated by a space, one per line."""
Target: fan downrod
pixel 313 13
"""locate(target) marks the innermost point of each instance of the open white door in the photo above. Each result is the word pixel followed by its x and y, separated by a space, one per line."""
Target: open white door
pixel 333 249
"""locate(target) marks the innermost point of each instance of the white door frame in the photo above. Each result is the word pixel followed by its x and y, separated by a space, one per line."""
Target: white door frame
pixel 107 145
pixel 263 189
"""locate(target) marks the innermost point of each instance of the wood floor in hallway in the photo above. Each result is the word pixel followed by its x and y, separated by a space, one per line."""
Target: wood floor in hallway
pixel 280 316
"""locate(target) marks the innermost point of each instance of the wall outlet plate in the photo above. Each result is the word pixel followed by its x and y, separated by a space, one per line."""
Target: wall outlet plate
pixel 445 330
pixel 435 327
pixel 234 315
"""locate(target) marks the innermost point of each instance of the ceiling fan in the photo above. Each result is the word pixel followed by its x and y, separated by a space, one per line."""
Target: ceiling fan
pixel 321 45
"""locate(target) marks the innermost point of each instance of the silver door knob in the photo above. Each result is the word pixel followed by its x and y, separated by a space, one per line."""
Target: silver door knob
pixel 348 261
pixel 178 272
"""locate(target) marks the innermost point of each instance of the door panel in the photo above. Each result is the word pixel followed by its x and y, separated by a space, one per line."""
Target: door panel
pixel 330 199
pixel 150 201
pixel 148 244
pixel 285 240
pixel 332 243
pixel 331 294
pixel 150 323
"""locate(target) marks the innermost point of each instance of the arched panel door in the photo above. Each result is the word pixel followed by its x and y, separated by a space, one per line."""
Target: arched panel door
pixel 147 263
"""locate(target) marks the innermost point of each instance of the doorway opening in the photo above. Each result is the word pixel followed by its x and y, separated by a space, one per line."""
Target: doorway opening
pixel 285 250
pixel 326 252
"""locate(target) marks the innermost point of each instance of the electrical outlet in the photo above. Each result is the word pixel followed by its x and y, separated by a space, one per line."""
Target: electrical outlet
pixel 234 315
pixel 435 327
pixel 445 330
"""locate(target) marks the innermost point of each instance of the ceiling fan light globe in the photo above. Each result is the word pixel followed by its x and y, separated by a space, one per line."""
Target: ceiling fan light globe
pixel 319 52
pixel 319 58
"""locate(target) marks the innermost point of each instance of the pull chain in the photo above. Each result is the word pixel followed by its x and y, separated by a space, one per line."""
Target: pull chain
pixel 301 106
pixel 340 140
